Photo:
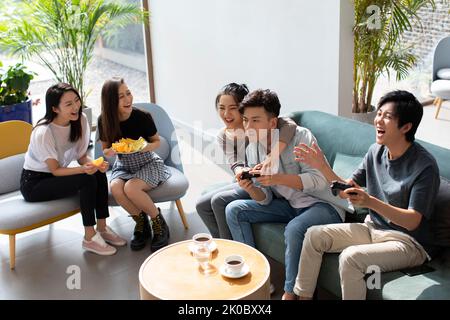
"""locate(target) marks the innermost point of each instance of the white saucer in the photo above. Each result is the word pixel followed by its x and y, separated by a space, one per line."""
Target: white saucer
pixel 244 271
pixel 212 246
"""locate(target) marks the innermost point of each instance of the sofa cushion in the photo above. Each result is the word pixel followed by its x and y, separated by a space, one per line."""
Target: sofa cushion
pixel 10 171
pixel 443 73
pixel 336 134
pixel 344 164
pixel 16 213
pixel 441 215
pixel 441 88
pixel 269 238
pixel 394 285
pixel 164 148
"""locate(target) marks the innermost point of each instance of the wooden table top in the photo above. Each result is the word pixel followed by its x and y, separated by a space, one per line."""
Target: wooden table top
pixel 173 273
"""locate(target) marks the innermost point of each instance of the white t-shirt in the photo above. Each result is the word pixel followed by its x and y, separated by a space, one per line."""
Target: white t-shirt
pixel 53 142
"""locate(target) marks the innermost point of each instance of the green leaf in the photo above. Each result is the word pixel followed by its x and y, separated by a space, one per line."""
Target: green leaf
pixel 14 83
pixel 61 34
pixel 380 51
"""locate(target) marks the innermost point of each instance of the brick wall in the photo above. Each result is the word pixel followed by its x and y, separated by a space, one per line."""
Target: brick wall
pixel 436 25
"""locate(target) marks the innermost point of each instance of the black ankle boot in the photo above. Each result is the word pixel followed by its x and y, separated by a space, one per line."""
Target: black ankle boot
pixel 161 232
pixel 142 232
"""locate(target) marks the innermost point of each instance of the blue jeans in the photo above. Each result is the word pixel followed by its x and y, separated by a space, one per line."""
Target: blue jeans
pixel 294 233
pixel 241 214
pixel 211 208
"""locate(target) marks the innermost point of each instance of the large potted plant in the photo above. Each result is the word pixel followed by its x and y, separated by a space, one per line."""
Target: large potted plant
pixel 14 101
pixel 378 48
pixel 61 34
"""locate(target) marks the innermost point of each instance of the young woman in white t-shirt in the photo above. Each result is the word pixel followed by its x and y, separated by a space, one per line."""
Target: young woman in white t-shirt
pixel 58 139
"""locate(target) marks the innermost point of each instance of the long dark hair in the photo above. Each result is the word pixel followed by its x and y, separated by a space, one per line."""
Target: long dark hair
pixel 52 99
pixel 110 111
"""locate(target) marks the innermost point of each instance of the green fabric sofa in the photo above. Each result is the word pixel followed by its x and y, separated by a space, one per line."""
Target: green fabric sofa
pixel 344 143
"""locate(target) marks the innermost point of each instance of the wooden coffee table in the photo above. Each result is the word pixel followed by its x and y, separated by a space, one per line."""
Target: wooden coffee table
pixel 172 273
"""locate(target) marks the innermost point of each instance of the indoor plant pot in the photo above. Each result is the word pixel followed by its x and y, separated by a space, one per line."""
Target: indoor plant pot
pixel 366 117
pixel 17 111
pixel 14 101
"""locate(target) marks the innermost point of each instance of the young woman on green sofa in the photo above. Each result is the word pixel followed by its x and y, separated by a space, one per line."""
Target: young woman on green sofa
pixel 232 140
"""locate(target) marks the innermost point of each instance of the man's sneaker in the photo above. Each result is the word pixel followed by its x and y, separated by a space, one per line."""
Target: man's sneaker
pixel 289 296
pixel 142 232
pixel 272 289
pixel 161 232
pixel 98 246
pixel 112 238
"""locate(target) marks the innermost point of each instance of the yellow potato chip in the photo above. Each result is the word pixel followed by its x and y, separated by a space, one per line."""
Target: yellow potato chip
pixel 127 145
pixel 98 162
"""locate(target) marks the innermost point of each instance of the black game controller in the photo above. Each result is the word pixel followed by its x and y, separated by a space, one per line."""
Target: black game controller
pixel 336 186
pixel 246 175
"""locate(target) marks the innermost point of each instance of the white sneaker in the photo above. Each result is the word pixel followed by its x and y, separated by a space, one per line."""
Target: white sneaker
pixel 272 289
pixel 98 246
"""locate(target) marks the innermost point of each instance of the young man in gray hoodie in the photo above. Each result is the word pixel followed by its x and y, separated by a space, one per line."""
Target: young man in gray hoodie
pixel 293 193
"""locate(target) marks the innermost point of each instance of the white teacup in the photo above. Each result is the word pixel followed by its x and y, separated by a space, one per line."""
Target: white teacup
pixel 200 239
pixel 234 263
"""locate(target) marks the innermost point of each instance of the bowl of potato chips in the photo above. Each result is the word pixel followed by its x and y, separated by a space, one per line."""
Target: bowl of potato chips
pixel 129 146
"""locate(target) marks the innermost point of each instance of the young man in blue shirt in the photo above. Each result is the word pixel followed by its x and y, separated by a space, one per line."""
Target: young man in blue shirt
pixel 293 193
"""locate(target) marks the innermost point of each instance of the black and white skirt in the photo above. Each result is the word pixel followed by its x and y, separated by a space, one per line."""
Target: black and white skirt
pixel 147 166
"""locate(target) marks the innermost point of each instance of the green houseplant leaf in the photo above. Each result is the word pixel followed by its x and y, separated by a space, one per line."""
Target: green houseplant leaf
pixel 14 84
pixel 378 48
pixel 61 34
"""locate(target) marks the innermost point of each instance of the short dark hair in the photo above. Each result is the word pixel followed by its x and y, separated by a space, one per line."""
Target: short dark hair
pixel 237 91
pixel 407 110
pixel 262 98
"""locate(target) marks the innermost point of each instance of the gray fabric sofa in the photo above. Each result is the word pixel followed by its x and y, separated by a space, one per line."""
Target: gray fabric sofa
pixel 17 215
pixel 345 143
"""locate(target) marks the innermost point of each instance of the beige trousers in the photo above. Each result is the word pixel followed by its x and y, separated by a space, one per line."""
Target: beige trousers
pixel 362 247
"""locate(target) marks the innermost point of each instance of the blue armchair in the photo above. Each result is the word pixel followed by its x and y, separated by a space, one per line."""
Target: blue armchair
pixel 174 188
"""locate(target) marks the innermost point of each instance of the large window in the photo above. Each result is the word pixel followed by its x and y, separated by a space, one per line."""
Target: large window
pixel 422 42
pixel 123 54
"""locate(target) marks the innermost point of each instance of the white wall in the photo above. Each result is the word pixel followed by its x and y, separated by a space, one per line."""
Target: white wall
pixel 301 49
